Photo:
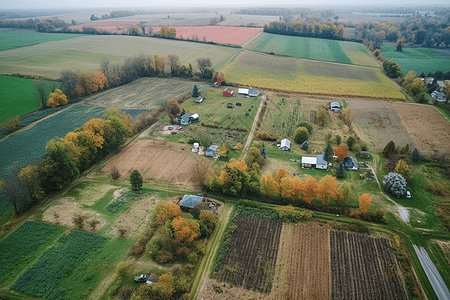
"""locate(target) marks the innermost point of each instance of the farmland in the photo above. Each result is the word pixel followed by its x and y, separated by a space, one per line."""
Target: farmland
pixel 430 120
pixel 312 48
pixel 144 93
pixel 363 268
pixel 426 60
pixel 379 122
pixel 217 34
pixel 298 75
pixel 85 53
pixel 11 39
pixel 28 145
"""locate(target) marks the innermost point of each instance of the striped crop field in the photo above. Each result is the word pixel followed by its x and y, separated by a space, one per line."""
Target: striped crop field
pixel 13 38
pixel 85 53
pixel 312 48
pixel 307 76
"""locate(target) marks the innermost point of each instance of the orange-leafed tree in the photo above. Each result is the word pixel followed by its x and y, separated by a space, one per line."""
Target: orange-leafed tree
pixel 281 173
pixel 99 81
pixel 209 218
pixel 286 187
pixel 270 186
pixel 166 210
pixel 364 203
pixel 297 188
pixel 341 152
pixel 186 230
pixel 57 98
pixel 173 108
pixel 164 287
pixel 327 188
pixel 310 189
pixel 84 85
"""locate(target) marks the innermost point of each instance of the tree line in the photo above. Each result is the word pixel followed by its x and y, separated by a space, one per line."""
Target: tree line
pixel 326 30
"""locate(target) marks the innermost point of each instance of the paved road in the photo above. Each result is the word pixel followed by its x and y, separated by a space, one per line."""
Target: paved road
pixel 438 284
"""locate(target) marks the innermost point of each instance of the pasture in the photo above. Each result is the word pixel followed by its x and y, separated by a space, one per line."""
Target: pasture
pixel 144 93
pixel 28 145
pixel 420 59
pixel 307 76
pixel 19 96
pixel 433 133
pixel 312 48
pixel 85 53
pixel 12 39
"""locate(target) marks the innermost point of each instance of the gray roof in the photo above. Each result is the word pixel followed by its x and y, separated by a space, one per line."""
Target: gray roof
pixel 252 92
pixel 209 152
pixel 321 159
pixel 186 117
pixel 190 201
pixel 213 147
pixel 351 162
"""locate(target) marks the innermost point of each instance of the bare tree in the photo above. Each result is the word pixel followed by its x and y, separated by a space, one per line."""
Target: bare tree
pixel 16 193
pixel 200 172
pixel 104 64
pixel 142 26
pixel 174 63
pixel 41 93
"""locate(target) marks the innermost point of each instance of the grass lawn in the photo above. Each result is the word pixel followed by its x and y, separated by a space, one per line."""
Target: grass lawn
pixel 420 59
pixel 12 39
pixel 18 96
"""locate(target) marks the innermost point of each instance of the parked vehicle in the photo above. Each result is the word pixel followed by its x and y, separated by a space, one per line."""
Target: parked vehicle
pixel 408 194
pixel 141 278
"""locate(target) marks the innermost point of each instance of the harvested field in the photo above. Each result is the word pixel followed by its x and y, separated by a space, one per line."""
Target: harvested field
pixel 364 268
pixel 379 122
pixel 305 252
pixel 217 34
pixel 158 160
pixel 248 20
pixel 147 93
pixel 427 126
pixel 251 257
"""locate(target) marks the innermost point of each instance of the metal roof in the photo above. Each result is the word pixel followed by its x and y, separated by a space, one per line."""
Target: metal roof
pixel 243 91
pixel 321 159
pixel 190 200
pixel 309 160
pixel 285 143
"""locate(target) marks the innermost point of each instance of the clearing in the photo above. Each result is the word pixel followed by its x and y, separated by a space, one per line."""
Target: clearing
pixel 312 48
pixel 308 76
pixel 433 133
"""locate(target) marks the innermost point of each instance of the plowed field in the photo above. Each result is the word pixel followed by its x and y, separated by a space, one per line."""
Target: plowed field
pixel 156 160
pixel 427 126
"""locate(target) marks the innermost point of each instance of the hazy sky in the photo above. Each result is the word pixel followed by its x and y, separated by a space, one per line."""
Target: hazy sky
pixel 47 4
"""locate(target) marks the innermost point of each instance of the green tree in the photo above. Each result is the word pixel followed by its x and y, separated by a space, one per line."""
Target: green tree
pixel 340 171
pixel 136 180
pixel 328 151
pixel 301 134
pixel 415 156
pixel 350 142
pixel 403 169
pixel 195 91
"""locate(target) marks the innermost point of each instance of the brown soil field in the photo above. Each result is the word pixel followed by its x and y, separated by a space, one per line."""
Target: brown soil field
pixel 146 93
pixel 156 160
pixel 66 209
pixel 363 267
pixel 305 252
pixel 427 126
pixel 136 218
pixel 379 122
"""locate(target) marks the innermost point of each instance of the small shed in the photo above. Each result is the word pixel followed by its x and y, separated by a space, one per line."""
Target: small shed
pixel 230 105
pixel 199 99
pixel 243 91
pixel 227 93
pixel 321 162
pixel 211 150
pixel 285 145
pixel 252 92
pixel 364 154
pixel 309 162
pixel 194 118
pixel 189 201
pixel 185 119
pixel 351 163
pixel 335 105
pixel 196 145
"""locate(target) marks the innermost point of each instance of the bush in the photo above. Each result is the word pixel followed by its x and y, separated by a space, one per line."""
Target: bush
pixel 115 173
pixel 306 125
pixel 350 142
pixel 125 292
pixel 290 214
pixel 395 184
pixel 301 134
pixel 192 258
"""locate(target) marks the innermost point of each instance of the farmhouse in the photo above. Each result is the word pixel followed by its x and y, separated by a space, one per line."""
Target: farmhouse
pixel 438 96
pixel 199 99
pixel 189 201
pixel 253 92
pixel 185 119
pixel 211 150
pixel 351 163
pixel 309 162
pixel 335 106
pixel 285 145
pixel 227 93
pixel 321 162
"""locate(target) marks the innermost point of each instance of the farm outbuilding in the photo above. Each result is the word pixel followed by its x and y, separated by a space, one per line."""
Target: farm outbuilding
pixel 351 163
pixel 285 145
pixel 253 92
pixel 227 92
pixel 309 162
pixel 364 154
pixel 211 150
pixel 243 92
pixel 189 201
pixel 194 118
pixel 321 162
pixel 230 105
pixel 185 119
pixel 199 99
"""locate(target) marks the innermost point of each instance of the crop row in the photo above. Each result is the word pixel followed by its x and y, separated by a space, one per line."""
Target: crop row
pixel 22 243
pixel 42 279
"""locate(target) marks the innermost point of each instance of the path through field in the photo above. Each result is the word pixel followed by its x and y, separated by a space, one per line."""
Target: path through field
pixel 252 131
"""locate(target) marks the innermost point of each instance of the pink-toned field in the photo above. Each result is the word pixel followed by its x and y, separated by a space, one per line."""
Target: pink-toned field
pixel 217 34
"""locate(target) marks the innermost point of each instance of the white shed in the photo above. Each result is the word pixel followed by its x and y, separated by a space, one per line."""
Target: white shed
pixel 285 145
pixel 309 162
pixel 243 91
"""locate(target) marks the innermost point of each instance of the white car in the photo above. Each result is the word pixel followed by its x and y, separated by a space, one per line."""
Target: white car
pixel 408 194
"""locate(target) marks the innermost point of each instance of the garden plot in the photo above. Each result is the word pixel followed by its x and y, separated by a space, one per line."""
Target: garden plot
pixel 427 126
pixel 379 122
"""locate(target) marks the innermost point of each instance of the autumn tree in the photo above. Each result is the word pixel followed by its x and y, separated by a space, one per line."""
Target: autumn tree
pixel 341 152
pixel 136 180
pixel 310 189
pixel 403 169
pixel 201 171
pixel 209 218
pixel 30 177
pixel 174 64
pixel 364 203
pixel 159 66
pixel 327 188
pixel 236 179
pixel 270 186
pixel 223 151
pixel 349 115
pixel 164 288
pixel 68 81
pixel 84 85
pixel 166 210
pixel 301 134
pixel 57 98
pixel 297 188
pixel 186 230
pixel 99 81
pixel 173 109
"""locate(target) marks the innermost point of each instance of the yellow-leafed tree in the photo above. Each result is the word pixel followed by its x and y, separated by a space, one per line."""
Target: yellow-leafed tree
pixel 186 230
pixel 364 203
pixel 327 188
pixel 270 186
pixel 310 189
pixel 297 188
pixel 57 98
pixel 166 210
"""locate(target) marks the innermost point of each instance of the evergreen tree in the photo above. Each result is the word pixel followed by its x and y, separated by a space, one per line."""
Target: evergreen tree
pixel 136 180
pixel 195 91
pixel 328 151
pixel 415 156
pixel 389 149
pixel 340 172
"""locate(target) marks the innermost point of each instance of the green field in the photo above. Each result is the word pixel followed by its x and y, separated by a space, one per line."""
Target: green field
pixel 12 39
pixel 85 53
pixel 29 145
pixel 312 48
pixel 18 96
pixel 307 76
pixel 424 60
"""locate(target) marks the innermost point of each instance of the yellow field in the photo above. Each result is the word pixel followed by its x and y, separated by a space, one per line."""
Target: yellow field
pixel 306 76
